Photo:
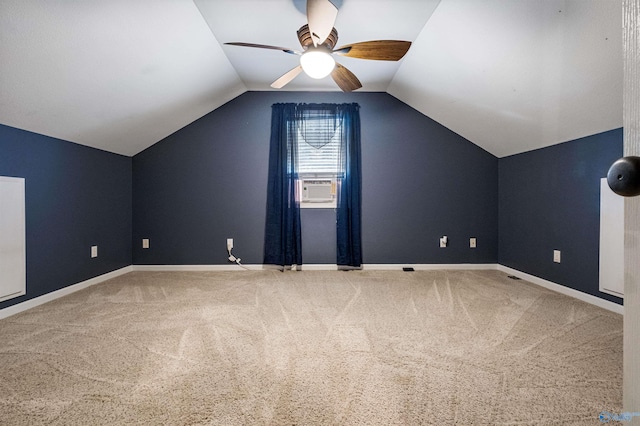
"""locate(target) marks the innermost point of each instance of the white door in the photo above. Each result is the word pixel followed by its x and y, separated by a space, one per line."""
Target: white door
pixel 12 238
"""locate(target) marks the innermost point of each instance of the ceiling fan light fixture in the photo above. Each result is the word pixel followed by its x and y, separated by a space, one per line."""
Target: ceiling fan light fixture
pixel 317 63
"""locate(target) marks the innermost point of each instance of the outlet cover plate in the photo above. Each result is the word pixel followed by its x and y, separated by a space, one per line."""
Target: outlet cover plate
pixel 556 256
pixel 472 242
pixel 94 251
pixel 145 243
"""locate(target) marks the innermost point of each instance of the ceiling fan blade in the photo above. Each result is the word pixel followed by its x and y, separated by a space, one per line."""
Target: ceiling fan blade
pixel 321 15
pixel 345 79
pixel 286 78
pixel 380 50
pixel 264 46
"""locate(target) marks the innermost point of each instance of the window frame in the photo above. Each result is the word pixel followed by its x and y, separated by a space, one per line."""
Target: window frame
pixel 322 174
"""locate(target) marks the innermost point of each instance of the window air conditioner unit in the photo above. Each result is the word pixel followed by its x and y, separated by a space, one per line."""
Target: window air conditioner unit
pixel 318 190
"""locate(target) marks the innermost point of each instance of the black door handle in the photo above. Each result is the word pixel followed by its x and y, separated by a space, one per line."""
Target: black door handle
pixel 624 176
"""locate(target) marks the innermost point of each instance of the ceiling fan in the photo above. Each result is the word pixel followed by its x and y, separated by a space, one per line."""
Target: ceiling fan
pixel 318 39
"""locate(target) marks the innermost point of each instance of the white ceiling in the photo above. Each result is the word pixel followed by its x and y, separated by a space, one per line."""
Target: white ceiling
pixel 113 74
pixel 513 76
pixel 120 75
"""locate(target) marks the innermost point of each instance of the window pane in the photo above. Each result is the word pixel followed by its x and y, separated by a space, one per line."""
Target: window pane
pixel 318 160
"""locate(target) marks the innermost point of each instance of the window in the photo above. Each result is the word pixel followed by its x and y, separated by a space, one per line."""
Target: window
pixel 321 160
pixel 318 143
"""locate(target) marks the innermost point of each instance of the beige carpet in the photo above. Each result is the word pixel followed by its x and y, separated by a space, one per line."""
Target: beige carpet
pixel 308 348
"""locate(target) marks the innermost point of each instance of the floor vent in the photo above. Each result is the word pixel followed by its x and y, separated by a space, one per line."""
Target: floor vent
pixel 408 269
pixel 513 277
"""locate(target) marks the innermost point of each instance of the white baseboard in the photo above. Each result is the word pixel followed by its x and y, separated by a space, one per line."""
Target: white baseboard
pixel 229 267
pixel 318 267
pixel 605 304
pixel 194 268
pixel 430 266
pixel 36 301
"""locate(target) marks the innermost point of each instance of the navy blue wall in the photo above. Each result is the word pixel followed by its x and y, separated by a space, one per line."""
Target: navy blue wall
pixel 76 197
pixel 207 182
pixel 550 199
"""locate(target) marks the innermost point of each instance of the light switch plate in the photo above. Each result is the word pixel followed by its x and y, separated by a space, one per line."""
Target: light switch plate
pixel 556 256
pixel 145 243
pixel 94 251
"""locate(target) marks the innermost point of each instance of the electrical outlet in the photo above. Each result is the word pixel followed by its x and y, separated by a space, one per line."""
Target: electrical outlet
pixel 229 244
pixel 472 242
pixel 94 251
pixel 145 243
pixel 443 241
pixel 556 256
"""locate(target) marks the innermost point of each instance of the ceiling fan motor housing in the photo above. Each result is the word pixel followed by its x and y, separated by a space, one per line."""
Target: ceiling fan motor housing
pixel 304 36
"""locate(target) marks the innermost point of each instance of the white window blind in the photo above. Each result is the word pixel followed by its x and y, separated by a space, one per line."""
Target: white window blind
pixel 323 160
pixel 318 140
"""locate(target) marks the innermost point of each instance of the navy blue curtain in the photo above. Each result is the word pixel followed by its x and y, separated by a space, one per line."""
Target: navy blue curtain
pixel 283 245
pixel 349 219
pixel 283 241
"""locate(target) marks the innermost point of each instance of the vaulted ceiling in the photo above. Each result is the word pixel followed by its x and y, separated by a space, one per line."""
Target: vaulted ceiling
pixel 120 75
